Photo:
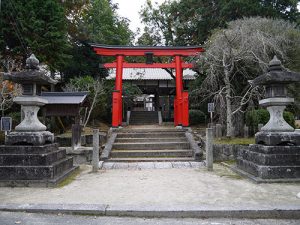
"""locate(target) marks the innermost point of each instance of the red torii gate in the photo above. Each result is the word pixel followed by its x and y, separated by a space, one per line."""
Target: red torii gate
pixel 181 103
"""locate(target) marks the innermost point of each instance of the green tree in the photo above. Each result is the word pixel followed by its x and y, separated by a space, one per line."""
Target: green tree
pixel 95 21
pixel 34 26
pixel 190 22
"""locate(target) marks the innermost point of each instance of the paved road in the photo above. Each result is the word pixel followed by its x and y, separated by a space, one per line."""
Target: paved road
pixel 9 218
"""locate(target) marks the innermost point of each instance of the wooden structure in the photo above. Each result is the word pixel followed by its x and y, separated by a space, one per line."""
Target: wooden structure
pixel 67 104
pixel 181 103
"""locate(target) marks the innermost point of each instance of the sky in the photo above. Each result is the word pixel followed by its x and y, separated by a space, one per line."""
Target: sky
pixel 130 9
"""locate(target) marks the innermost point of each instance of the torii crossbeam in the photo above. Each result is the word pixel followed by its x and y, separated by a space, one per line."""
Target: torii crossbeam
pixel 181 102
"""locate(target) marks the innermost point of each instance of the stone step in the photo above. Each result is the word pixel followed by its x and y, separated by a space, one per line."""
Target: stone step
pixel 150 140
pixel 151 135
pixel 143 119
pixel 151 146
pixel 32 159
pixel 150 153
pixel 143 112
pixel 144 123
pixel 36 172
pixel 153 159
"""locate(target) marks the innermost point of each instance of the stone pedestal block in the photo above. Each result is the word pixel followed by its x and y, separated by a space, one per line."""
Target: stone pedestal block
pixel 29 138
pixel 44 165
pixel 271 162
pixel 278 138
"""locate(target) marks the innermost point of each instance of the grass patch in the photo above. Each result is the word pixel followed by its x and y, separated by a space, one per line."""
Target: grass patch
pixel 229 162
pixel 235 141
pixel 69 179
pixel 223 171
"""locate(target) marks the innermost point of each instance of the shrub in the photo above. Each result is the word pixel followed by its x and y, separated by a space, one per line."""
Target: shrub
pixel 256 116
pixel 16 118
pixel 197 117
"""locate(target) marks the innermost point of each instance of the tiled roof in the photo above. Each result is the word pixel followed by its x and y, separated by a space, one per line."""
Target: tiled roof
pixel 149 74
pixel 73 98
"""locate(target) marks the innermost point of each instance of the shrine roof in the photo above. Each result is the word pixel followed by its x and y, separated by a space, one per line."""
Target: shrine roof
pixel 69 98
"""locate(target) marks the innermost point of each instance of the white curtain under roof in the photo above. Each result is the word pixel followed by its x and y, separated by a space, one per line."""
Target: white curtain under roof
pixel 149 74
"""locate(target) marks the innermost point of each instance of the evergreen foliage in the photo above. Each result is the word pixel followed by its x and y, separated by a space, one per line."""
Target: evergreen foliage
pixel 257 116
pixel 34 26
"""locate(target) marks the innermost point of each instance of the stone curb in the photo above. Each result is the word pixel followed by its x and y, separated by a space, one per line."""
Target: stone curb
pixel 249 212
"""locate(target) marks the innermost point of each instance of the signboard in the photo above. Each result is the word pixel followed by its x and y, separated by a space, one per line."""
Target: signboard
pixel 6 123
pixel 211 107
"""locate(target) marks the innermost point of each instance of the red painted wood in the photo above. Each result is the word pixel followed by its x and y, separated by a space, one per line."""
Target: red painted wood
pixel 132 51
pixel 115 108
pixel 118 110
pixel 185 109
pixel 144 65
pixel 179 89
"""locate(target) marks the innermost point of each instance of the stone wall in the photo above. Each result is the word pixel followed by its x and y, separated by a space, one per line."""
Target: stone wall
pixel 86 140
pixel 224 152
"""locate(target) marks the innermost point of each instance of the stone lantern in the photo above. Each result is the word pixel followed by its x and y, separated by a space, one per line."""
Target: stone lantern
pixel 30 157
pixel 30 130
pixel 276 154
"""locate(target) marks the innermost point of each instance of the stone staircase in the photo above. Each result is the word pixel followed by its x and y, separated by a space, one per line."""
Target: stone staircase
pixel 149 145
pixel 143 117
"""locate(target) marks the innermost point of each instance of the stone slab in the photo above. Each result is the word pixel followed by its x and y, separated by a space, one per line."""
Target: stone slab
pixel 271 159
pixel 274 149
pixel 32 159
pixel 258 180
pixel 269 172
pixel 160 211
pixel 35 172
pixel 27 149
pixel 86 209
pixel 278 138
pixel 29 138
pixel 39 183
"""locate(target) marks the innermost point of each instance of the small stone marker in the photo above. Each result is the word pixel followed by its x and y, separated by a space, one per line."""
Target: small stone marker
pixel 246 132
pixel 260 125
pixel 209 149
pixel 218 130
pixel 95 160
pixel 6 123
pixel 76 136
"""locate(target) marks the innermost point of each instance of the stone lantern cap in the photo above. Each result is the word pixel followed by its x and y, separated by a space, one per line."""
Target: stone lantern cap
pixel 276 74
pixel 32 74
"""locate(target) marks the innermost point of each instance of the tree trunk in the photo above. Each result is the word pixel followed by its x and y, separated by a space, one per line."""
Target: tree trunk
pixel 229 125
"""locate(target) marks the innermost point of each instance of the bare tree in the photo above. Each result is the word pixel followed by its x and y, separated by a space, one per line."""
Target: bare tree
pixel 8 91
pixel 239 53
pixel 93 86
